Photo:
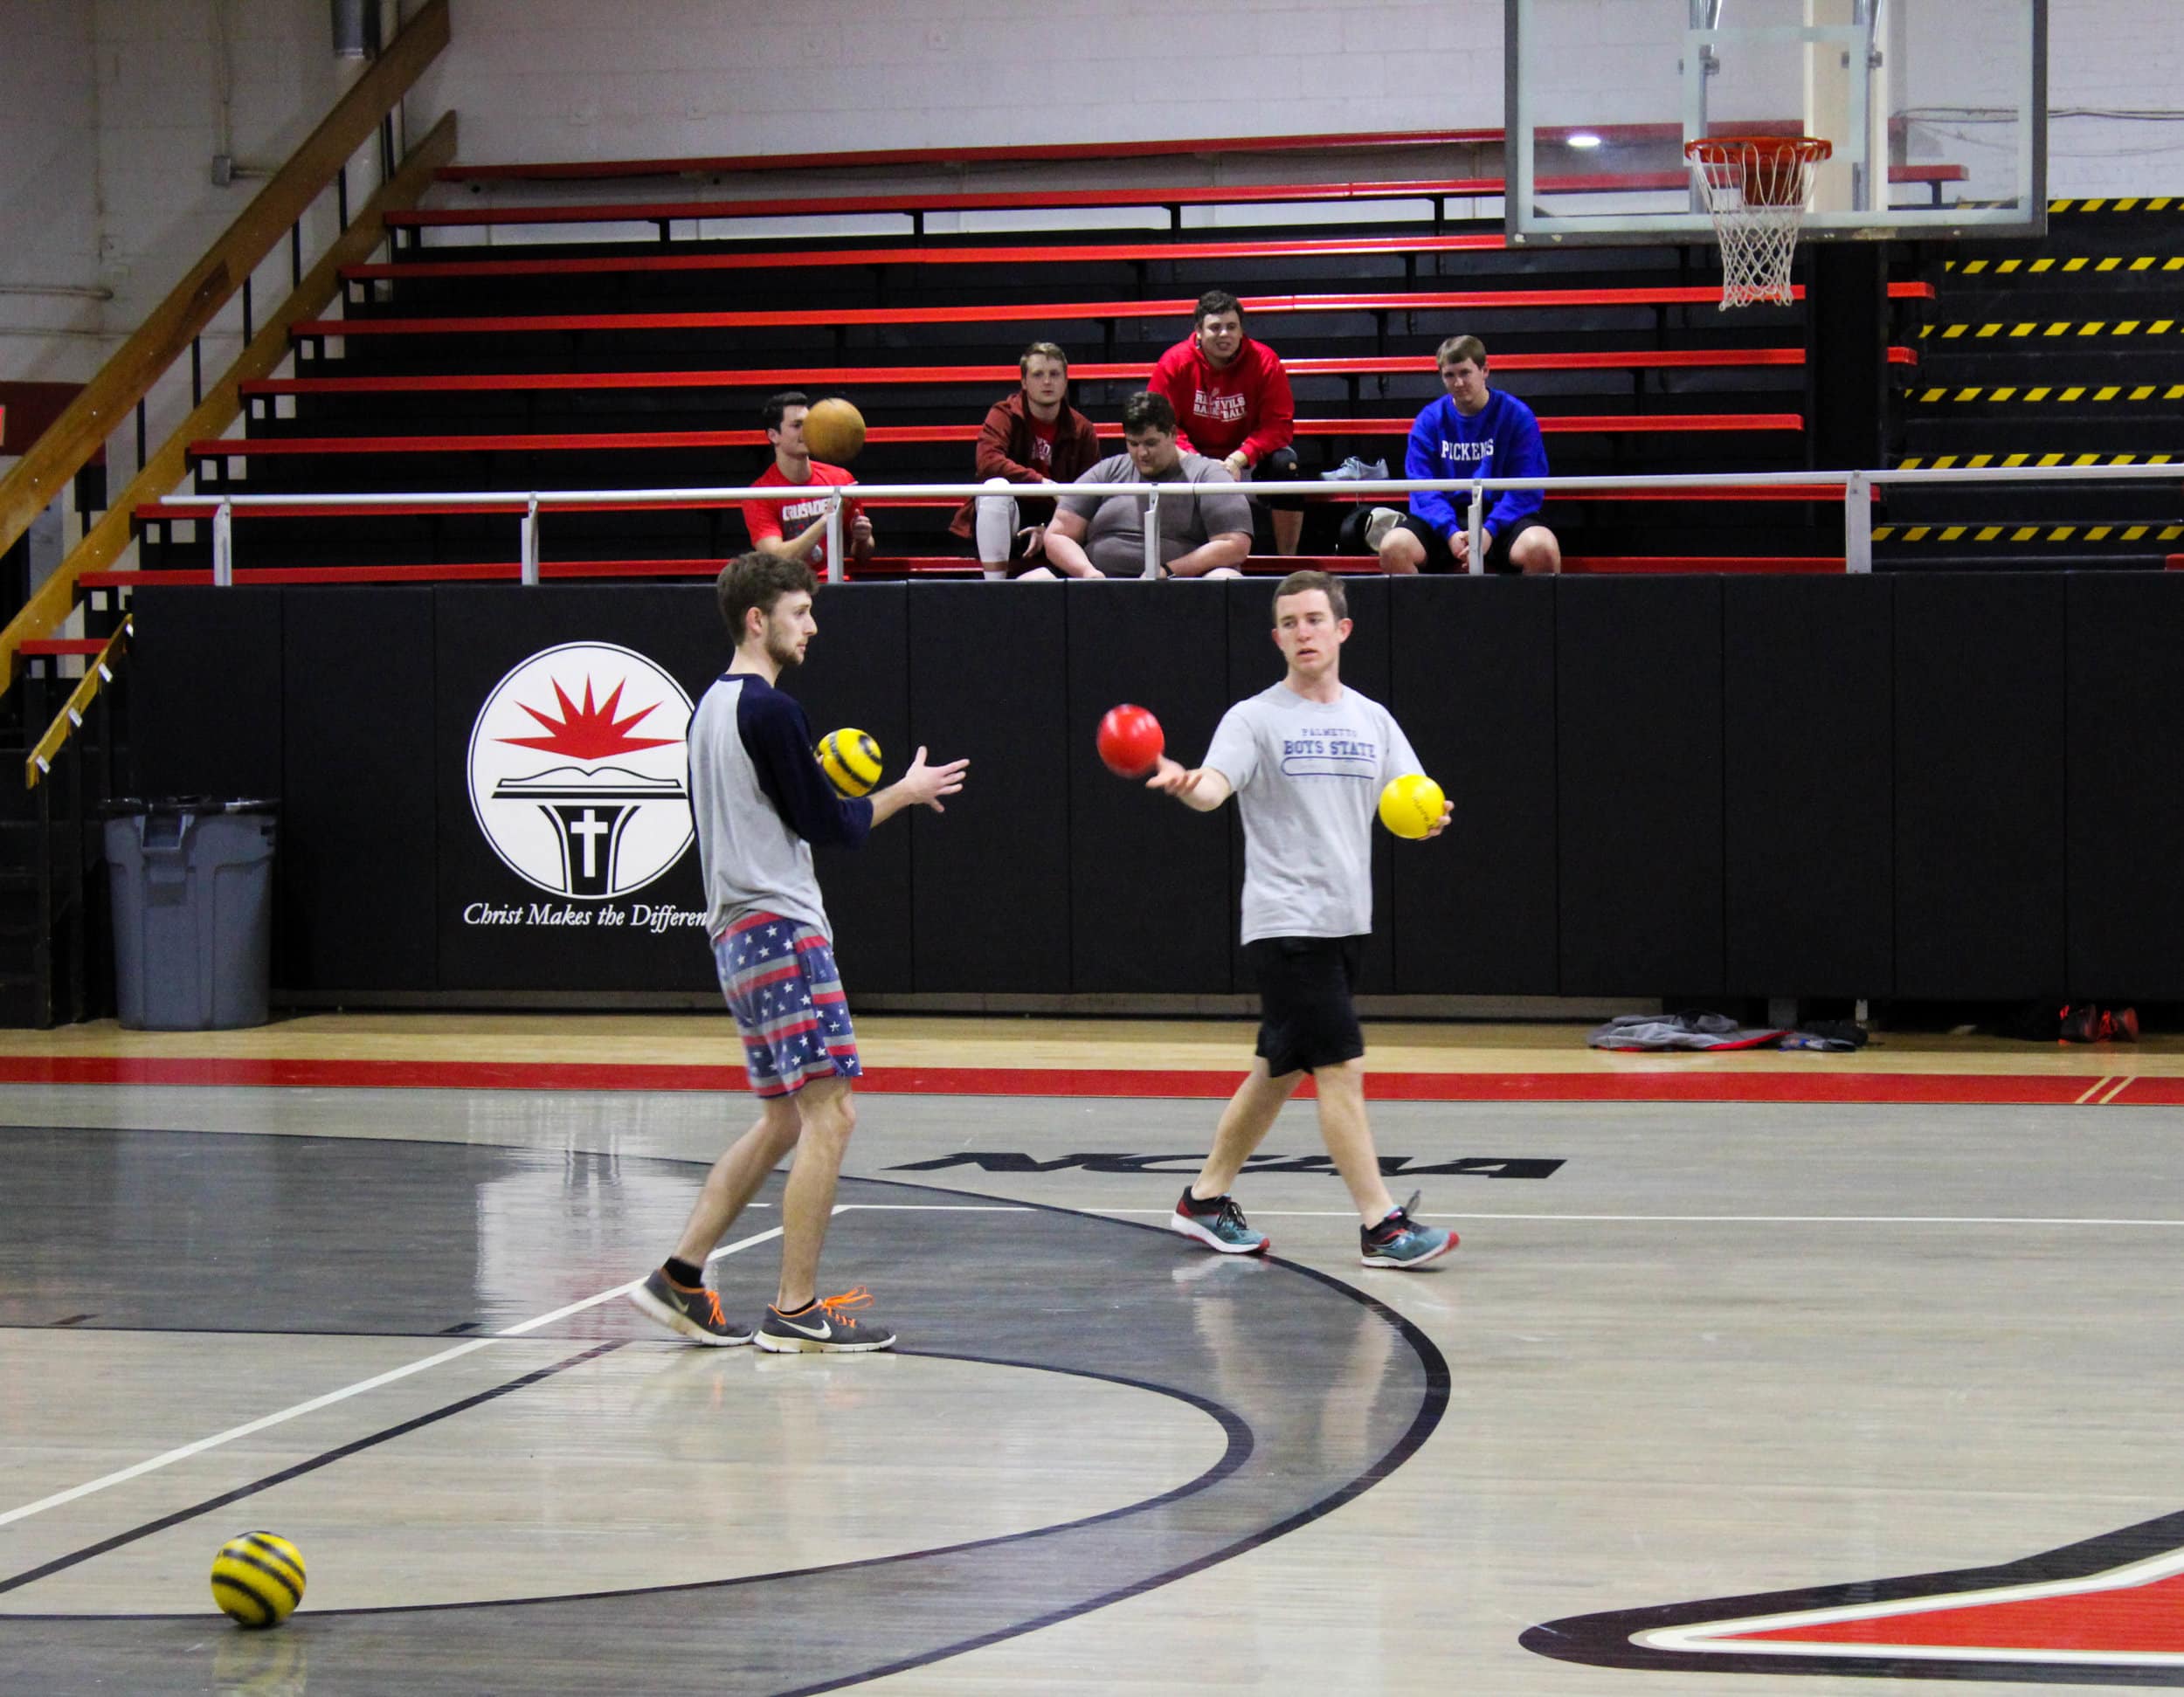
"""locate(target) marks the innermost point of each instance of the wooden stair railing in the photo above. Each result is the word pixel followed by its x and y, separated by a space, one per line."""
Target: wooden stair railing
pixel 169 330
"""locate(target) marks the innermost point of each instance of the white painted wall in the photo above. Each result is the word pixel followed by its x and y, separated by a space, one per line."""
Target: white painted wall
pixel 555 80
pixel 49 192
pixel 562 80
pixel 109 111
pixel 2107 58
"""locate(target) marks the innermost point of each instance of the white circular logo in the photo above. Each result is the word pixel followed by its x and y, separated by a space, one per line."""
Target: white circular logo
pixel 578 771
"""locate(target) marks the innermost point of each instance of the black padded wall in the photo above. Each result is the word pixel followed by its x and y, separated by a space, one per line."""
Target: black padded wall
pixel 1808 754
pixel 1638 670
pixel 1149 887
pixel 856 674
pixel 359 816
pixel 1979 785
pixel 989 878
pixel 2125 716
pixel 1474 688
pixel 208 692
pixel 1936 787
pixel 496 927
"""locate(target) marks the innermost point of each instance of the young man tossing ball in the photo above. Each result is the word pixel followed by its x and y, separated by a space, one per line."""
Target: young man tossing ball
pixel 1306 760
pixel 761 801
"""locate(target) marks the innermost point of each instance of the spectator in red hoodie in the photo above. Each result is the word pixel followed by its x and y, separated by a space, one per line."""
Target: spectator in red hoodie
pixel 1033 436
pixel 1231 396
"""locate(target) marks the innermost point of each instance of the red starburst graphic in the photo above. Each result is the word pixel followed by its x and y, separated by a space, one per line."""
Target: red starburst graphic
pixel 588 732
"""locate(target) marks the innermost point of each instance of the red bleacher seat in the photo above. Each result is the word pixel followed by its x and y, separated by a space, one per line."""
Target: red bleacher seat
pixel 1018 311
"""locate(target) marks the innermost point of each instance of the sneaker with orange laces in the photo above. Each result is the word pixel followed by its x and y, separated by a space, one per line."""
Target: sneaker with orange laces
pixel 694 1313
pixel 826 1327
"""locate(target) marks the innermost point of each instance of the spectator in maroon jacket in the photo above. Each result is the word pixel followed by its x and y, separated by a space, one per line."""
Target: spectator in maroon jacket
pixel 1231 395
pixel 1033 436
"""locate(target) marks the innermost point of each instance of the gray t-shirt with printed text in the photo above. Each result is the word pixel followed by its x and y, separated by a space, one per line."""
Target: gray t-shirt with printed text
pixel 1307 778
pixel 1115 539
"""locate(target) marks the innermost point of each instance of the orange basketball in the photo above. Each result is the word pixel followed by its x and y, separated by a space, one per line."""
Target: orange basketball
pixel 833 431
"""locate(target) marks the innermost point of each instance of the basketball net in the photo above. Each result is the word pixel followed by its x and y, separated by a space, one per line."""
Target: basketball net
pixel 1755 188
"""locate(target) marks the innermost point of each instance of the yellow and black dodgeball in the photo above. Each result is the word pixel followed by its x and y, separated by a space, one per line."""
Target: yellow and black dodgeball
pixel 258 1579
pixel 851 760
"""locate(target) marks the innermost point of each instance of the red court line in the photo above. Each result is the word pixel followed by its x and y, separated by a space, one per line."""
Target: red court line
pixel 1677 1085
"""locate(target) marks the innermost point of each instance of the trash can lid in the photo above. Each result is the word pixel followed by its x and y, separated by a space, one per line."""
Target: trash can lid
pixel 136 807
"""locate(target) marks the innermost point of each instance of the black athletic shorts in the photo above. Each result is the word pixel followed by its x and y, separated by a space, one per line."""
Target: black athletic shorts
pixel 1440 556
pixel 1305 1016
pixel 1279 467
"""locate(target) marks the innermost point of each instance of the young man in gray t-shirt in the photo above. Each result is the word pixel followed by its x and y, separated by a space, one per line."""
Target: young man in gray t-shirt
pixel 1306 761
pixel 1206 535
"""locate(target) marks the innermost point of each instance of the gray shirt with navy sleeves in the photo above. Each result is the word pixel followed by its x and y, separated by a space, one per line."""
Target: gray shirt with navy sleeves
pixel 760 802
pixel 1307 778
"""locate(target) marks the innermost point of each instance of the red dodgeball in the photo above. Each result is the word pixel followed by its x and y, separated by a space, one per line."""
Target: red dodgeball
pixel 1131 741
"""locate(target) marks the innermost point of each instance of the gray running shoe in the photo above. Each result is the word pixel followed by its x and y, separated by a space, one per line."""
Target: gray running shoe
pixel 695 1314
pixel 1356 470
pixel 824 1328
pixel 1218 1224
pixel 1400 1241
pixel 1383 519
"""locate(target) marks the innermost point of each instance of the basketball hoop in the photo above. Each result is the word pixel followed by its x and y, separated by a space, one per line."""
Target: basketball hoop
pixel 1755 188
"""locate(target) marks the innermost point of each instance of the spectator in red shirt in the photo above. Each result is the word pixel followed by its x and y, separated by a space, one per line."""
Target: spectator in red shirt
pixel 797 529
pixel 1033 436
pixel 1231 395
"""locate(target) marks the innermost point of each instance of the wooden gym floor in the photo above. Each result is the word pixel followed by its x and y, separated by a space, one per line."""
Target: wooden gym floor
pixel 1791 1372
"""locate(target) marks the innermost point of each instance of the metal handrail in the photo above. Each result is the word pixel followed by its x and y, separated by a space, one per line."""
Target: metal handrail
pixel 1858 486
pixel 70 719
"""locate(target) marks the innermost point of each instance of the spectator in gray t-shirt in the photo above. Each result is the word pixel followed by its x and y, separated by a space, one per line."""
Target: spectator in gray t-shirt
pixel 1104 535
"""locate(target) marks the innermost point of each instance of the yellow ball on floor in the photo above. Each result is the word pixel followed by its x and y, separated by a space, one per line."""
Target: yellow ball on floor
pixel 1411 805
pixel 258 1579
pixel 851 760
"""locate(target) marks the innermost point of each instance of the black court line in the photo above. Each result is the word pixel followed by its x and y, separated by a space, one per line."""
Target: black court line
pixel 326 1458
pixel 1047 1288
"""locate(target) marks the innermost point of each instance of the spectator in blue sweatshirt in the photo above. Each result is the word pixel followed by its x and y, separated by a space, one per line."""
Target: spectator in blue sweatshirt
pixel 1474 429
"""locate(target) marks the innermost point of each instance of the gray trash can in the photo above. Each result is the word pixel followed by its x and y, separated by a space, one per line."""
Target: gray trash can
pixel 192 884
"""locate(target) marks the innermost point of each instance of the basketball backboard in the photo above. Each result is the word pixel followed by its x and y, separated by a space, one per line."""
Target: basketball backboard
pixel 1936 111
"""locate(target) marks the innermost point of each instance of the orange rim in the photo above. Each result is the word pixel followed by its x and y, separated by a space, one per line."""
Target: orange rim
pixel 1771 167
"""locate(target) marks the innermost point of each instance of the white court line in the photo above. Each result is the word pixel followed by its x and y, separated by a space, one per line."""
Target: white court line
pixel 932 1208
pixel 2093 1089
pixel 1703 1219
pixel 282 1416
pixel 455 1352
pixel 2122 1085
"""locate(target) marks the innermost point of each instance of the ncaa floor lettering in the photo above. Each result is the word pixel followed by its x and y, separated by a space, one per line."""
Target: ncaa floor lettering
pixel 408 1238
pixel 1391 1166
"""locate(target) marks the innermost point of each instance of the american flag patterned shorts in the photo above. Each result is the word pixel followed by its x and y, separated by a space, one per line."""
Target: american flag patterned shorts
pixel 781 984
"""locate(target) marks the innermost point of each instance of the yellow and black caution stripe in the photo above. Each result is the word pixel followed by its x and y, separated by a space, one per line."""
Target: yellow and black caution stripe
pixel 1975 461
pixel 2060 267
pixel 2098 327
pixel 2028 532
pixel 2069 394
pixel 2118 204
